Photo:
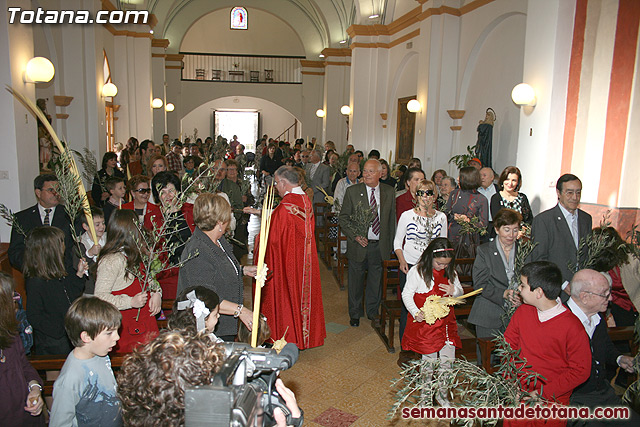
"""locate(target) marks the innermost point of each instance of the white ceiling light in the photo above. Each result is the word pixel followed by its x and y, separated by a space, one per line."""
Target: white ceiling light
pixel 169 107
pixel 320 112
pixel 345 110
pixel 156 103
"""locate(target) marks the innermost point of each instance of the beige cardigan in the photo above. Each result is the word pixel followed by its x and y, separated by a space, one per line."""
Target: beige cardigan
pixel 111 277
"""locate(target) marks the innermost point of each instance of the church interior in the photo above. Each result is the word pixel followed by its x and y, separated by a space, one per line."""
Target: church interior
pixel 344 71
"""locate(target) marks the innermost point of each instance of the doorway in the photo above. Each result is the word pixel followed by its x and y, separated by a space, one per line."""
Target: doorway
pixel 244 124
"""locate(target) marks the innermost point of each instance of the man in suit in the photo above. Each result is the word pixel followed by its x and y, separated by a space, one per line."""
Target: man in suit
pixel 558 231
pixel 590 296
pixel 45 212
pixel 365 253
pixel 320 176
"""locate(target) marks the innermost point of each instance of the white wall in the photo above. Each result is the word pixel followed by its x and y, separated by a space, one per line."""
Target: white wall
pixel 19 141
pixel 497 69
pixel 196 93
pixel 267 35
pixel 273 118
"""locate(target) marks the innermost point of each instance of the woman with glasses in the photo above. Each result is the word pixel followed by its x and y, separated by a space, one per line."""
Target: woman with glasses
pixel 178 216
pixel 493 271
pixel 140 191
pixel 416 228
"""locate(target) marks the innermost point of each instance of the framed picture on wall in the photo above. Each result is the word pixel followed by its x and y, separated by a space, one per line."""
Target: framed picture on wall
pixel 405 131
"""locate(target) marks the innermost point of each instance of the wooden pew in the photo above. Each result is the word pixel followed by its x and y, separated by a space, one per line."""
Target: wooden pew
pixel 42 364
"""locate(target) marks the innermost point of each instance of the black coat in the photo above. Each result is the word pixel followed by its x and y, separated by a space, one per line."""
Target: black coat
pixel 47 304
pixel 29 219
pixel 603 352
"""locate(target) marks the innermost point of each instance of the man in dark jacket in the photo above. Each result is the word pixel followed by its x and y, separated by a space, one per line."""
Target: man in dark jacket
pixel 590 295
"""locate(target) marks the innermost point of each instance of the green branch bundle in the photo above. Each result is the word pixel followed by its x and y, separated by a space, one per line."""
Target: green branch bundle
pixel 361 219
pixel 466 384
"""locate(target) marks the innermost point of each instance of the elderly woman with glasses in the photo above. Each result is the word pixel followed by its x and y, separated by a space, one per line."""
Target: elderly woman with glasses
pixel 416 228
pixel 493 271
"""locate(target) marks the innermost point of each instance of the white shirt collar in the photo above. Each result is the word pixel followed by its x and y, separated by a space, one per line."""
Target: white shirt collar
pixel 566 213
pixel 296 190
pixel 43 213
pixel 589 323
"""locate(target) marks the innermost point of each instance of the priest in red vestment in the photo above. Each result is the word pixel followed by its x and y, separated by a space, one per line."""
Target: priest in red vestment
pixel 292 294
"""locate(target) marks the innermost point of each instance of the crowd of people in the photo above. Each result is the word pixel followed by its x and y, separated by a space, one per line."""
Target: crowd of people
pixel 88 299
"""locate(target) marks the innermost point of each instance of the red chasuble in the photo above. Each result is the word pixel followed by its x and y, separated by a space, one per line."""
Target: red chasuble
pixel 292 294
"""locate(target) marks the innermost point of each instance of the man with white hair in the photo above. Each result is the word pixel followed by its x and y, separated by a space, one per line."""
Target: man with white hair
pixel 590 296
pixel 366 253
pixel 292 295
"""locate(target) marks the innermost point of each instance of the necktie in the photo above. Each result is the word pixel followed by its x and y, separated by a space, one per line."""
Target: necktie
pixel 574 228
pixel 375 224
pixel 47 221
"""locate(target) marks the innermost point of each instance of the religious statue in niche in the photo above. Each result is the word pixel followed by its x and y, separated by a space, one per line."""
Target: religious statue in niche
pixel 485 137
pixel 45 143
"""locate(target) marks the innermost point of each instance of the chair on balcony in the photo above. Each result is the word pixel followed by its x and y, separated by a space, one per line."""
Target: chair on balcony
pixel 254 76
pixel 268 76
pixel 200 73
pixel 216 75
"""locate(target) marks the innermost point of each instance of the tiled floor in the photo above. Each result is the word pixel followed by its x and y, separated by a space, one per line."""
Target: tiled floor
pixel 347 381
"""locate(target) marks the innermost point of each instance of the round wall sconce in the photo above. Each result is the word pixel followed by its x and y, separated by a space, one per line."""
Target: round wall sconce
pixel 523 95
pixel 109 89
pixel 414 106
pixel 345 110
pixel 39 70
pixel 169 107
pixel 320 112
pixel 156 103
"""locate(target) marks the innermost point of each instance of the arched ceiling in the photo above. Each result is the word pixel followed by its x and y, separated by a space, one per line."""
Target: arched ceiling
pixel 319 23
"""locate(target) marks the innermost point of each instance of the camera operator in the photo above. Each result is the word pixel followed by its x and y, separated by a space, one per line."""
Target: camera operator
pixel 152 380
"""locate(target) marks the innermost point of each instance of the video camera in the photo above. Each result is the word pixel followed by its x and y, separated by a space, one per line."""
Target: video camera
pixel 243 391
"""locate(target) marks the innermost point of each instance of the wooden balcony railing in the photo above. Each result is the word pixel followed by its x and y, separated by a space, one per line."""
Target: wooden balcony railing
pixel 219 67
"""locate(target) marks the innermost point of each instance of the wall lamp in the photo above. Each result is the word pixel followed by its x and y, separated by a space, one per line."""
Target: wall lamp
pixel 320 112
pixel 169 107
pixel 156 103
pixel 414 106
pixel 523 95
pixel 39 70
pixel 109 89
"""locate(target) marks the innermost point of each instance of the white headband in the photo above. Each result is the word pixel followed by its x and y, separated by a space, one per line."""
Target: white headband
pixel 200 311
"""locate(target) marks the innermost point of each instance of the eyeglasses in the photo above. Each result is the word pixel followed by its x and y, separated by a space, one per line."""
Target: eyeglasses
pixel 421 193
pixel 605 296
pixel 143 190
